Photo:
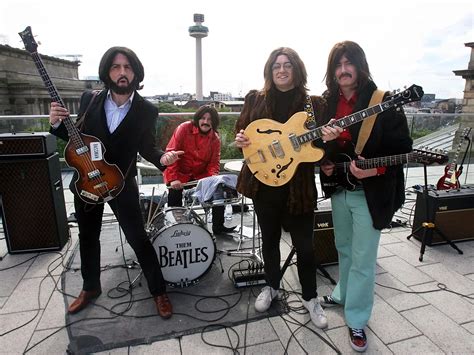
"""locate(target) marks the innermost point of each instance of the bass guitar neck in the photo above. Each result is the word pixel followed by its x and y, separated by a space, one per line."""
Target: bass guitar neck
pixel 98 181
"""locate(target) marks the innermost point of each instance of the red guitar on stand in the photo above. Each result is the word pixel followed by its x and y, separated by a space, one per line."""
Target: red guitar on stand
pixel 98 181
pixel 450 179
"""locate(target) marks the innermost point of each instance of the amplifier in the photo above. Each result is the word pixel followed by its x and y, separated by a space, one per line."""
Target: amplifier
pixel 39 144
pixel 325 251
pixel 32 204
pixel 449 210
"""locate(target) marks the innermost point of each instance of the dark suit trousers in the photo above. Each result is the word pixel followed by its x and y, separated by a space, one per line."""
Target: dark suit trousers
pixel 272 213
pixel 127 211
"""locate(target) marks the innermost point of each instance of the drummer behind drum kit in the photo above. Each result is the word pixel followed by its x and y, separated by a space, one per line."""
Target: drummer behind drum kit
pixel 185 249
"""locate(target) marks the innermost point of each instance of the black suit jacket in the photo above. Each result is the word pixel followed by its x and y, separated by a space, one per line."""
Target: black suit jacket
pixel 135 134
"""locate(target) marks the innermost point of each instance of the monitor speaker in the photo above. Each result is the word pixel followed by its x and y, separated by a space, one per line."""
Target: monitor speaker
pixel 32 204
pixel 325 250
pixel 452 212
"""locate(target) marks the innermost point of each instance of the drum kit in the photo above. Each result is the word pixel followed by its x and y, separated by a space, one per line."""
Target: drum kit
pixel 185 248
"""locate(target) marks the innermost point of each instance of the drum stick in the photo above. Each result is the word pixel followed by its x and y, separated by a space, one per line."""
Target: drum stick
pixel 158 207
pixel 150 205
pixel 189 183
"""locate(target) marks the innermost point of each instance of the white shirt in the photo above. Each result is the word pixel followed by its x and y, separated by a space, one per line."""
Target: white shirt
pixel 115 114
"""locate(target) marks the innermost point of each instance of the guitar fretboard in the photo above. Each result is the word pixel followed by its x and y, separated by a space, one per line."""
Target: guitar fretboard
pixel 416 156
pixel 381 161
pixel 344 122
pixel 73 132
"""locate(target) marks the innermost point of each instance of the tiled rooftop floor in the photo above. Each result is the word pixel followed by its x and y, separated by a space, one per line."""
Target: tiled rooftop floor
pixel 406 319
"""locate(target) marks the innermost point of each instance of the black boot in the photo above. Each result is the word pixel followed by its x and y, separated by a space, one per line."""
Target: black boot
pixel 218 221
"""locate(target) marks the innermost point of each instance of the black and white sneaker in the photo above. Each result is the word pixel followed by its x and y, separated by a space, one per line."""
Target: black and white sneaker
pixel 327 301
pixel 358 339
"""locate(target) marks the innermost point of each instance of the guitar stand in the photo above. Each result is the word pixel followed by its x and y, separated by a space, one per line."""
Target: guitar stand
pixel 429 227
pixel 318 267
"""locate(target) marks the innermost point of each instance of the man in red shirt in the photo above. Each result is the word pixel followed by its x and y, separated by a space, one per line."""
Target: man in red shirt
pixel 200 141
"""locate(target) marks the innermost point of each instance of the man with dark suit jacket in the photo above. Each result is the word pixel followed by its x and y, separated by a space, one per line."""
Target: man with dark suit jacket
pixel 124 122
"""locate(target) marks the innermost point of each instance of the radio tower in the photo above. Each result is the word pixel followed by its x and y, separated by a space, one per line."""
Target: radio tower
pixel 198 31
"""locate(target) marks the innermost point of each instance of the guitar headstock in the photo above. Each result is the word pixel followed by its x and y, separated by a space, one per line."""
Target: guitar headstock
pixel 412 94
pixel 429 156
pixel 28 40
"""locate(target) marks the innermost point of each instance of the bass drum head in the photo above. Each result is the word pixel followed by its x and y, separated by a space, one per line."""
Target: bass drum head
pixel 185 252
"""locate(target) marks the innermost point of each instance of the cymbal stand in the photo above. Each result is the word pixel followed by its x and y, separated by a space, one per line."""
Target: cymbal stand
pixel 255 252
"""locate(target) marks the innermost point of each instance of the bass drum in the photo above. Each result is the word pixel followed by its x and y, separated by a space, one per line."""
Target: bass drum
pixel 185 249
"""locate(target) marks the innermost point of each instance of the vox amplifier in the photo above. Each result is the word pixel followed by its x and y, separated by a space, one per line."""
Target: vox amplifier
pixel 36 144
pixel 325 250
pixel 452 212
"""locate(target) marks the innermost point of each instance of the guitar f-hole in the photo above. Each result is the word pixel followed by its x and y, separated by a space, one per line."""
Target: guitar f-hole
pixel 284 167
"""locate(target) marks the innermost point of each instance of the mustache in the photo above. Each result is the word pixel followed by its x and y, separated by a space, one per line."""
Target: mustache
pixel 123 77
pixel 349 75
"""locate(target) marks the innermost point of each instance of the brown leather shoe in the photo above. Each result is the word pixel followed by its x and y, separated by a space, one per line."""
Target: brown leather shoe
pixel 163 306
pixel 81 302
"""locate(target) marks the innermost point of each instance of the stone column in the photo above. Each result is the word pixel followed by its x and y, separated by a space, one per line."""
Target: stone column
pixel 467 104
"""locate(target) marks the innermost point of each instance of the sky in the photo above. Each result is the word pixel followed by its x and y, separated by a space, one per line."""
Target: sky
pixel 405 41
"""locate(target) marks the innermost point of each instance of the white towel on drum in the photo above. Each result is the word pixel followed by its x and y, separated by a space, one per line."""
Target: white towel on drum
pixel 207 187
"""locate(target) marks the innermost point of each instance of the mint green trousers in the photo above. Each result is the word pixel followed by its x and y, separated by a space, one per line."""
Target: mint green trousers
pixel 357 243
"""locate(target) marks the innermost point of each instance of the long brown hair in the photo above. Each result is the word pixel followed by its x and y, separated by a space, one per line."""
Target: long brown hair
pixel 355 54
pixel 299 70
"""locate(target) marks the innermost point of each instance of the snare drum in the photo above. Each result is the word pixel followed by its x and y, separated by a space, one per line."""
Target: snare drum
pixel 185 249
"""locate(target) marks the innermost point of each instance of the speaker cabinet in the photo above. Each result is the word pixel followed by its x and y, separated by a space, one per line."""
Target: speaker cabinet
pixel 452 212
pixel 35 144
pixel 32 204
pixel 325 250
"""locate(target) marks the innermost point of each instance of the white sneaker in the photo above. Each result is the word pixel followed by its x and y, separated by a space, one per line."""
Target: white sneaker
pixel 264 299
pixel 316 312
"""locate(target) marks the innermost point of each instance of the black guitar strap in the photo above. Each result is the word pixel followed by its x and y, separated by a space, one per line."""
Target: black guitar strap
pixel 80 121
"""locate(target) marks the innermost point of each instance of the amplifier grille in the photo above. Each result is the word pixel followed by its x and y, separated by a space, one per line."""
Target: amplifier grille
pixel 32 202
pixel 27 144
pixel 325 250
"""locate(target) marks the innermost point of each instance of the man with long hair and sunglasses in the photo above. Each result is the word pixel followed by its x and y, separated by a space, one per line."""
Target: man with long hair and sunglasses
pixel 290 206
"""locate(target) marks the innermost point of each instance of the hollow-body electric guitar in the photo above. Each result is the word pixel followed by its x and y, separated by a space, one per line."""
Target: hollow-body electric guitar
pixel 277 149
pixel 98 181
pixel 342 176
pixel 450 179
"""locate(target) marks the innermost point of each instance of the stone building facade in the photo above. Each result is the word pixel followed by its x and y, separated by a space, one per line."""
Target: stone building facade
pixel 22 91
pixel 468 99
